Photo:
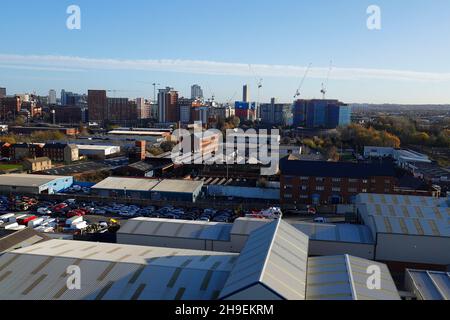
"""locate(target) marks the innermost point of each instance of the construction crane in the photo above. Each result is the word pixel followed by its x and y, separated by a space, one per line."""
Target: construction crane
pixel 259 84
pixel 298 92
pixel 325 86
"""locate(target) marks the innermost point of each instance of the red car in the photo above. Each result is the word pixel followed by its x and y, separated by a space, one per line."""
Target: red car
pixel 76 213
pixel 60 206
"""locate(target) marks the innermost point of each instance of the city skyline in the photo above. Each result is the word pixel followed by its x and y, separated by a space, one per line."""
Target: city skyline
pixel 404 62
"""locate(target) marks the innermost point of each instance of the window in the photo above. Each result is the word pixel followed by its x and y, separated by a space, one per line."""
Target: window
pixel 320 179
pixel 353 180
pixel 352 190
pixel 336 189
pixel 288 196
pixel 304 188
pixel 365 181
pixel 336 180
pixel 364 190
pixel 304 178
pixel 319 188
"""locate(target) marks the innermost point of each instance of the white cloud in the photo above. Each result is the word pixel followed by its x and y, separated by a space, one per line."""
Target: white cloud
pixel 73 64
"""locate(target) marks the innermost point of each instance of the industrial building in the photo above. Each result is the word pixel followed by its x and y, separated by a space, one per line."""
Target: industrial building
pixel 168 233
pixel 33 184
pixel 411 230
pixel 124 187
pixel 338 239
pixel 428 285
pixel 273 265
pixel 97 151
pixel 175 190
pixel 324 239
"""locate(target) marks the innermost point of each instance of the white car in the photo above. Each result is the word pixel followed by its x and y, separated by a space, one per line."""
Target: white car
pixel 320 220
pixel 44 211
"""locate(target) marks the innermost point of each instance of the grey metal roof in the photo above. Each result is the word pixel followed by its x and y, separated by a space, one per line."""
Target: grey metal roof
pixel 336 232
pixel 429 285
pixel 275 255
pixel 28 180
pixel 245 226
pixel 130 184
pixel 402 200
pixel 21 239
pixel 178 186
pixel 345 278
pixel 417 227
pixel 112 272
pixel 177 229
pixel 405 211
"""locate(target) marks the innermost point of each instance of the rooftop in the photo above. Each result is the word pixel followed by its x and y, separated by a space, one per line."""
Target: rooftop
pixel 430 285
pixel 130 184
pixel 367 198
pixel 350 233
pixel 178 186
pixel 27 180
pixel 345 278
pixel 113 272
pixel 177 229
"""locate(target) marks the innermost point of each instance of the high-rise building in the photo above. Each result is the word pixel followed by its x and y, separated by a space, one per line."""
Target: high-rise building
pixel 245 94
pixel 143 109
pixel 97 105
pixel 321 113
pixel 72 99
pixel 196 92
pixel 10 107
pixel 52 97
pixel 168 109
pixel 276 113
pixel 2 92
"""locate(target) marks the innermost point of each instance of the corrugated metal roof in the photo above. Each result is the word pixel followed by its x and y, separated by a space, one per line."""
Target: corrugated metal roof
pixel 177 229
pixel 28 180
pixel 345 278
pixel 429 285
pixel 420 227
pixel 112 271
pixel 339 232
pixel 129 184
pixel 179 186
pixel 402 200
pixel 404 211
pixel 245 226
pixel 274 255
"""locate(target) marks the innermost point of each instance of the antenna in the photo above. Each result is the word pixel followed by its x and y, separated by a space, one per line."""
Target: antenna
pixel 325 86
pixel 297 93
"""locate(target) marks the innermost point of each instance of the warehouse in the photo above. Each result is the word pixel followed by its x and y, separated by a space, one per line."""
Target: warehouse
pixel 273 265
pixel 125 187
pixel 33 184
pixel 112 272
pixel 330 239
pixel 97 151
pixel 177 190
pixel 428 285
pixel 411 230
pixel 196 235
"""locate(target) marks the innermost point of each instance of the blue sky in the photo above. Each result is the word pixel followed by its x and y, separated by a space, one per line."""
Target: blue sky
pixel 127 45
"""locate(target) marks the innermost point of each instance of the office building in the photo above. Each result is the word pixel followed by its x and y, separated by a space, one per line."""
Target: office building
pixel 10 108
pixel 196 92
pixel 143 109
pixel 245 93
pixel 52 97
pixel 321 114
pixel 168 110
pixel 97 105
pixel 2 92
pixel 276 113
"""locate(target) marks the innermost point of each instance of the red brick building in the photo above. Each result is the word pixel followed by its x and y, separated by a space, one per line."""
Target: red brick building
pixel 320 182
